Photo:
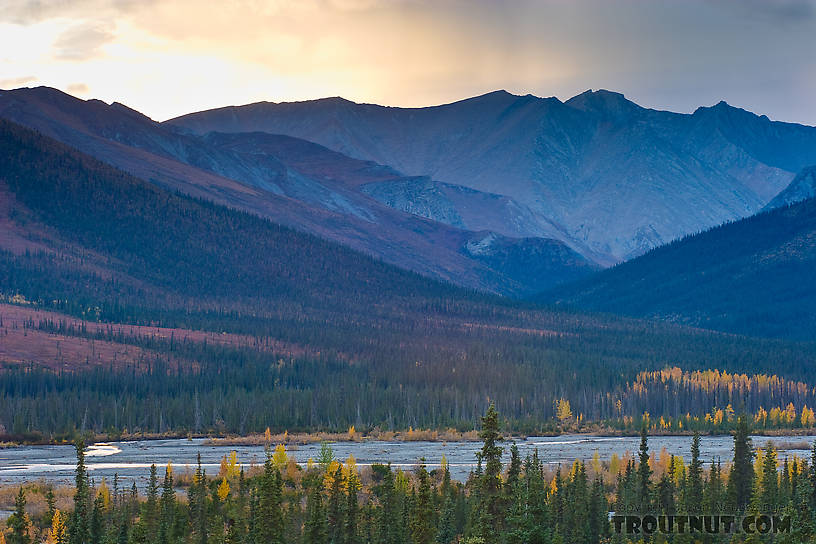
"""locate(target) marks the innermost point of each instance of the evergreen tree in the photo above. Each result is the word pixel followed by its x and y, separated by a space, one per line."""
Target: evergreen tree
pixel 51 502
pixel 167 507
pixel 269 524
pixel 741 477
pixel 537 519
pixel 352 508
pixel 491 516
pixel 714 493
pixel 336 512
pixel 644 474
pixel 97 526
pixel 197 500
pixel 598 518
pixel 18 521
pixel 693 492
pixel 577 497
pixel 315 530
pixel 151 507
pixel 423 528
pixel 79 528
pixel 769 496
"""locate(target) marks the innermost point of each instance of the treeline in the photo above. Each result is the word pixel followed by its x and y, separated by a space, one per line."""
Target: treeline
pixel 186 386
pixel 328 501
pixel 389 348
pixel 708 400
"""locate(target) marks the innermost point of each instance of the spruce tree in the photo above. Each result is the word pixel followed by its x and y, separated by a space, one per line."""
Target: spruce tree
pixel 693 492
pixel 269 524
pixel 79 528
pixel 18 521
pixel 537 519
pixel 741 477
pixel 315 530
pixel 51 502
pixel 167 508
pixel 151 506
pixel 769 495
pixel 644 474
pixel 97 526
pixel 336 508
pixel 350 528
pixel 491 513
pixel 423 528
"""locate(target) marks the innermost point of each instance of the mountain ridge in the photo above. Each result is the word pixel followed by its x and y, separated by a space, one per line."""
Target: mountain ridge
pixel 616 178
pixel 753 276
pixel 297 183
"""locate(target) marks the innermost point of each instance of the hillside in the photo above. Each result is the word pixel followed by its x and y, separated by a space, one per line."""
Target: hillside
pixel 136 307
pixel 754 276
pixel 801 188
pixel 605 176
pixel 295 183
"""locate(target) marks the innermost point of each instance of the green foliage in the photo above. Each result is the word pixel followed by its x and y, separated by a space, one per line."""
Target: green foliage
pixel 18 521
pixel 537 507
pixel 749 277
pixel 334 337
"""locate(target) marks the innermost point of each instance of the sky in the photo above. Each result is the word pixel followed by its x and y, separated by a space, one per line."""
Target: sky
pixel 170 57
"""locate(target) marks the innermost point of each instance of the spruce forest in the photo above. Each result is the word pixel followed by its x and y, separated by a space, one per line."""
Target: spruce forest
pixel 331 501
pixel 128 309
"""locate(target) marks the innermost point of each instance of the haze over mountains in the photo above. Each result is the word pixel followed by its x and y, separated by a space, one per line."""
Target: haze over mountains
pixel 141 308
pixel 295 183
pixel 598 172
pixel 754 276
pixel 509 194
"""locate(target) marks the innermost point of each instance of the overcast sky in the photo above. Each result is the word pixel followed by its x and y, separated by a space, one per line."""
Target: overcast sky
pixel 169 57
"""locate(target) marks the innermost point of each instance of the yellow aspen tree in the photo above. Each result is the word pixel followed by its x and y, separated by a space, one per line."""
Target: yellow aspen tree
pixel 223 490
pixel 563 412
pixel 280 458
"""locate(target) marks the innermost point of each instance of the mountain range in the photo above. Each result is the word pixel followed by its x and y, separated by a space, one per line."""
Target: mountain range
pixel 125 305
pixel 598 172
pixel 754 277
pixel 299 184
pixel 514 195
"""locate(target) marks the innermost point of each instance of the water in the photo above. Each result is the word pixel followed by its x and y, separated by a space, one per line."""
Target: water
pixel 132 460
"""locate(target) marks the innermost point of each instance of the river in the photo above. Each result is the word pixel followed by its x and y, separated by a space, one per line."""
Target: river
pixel 132 460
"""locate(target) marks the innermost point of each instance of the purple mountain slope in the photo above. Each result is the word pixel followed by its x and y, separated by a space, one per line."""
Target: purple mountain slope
pixel 296 183
pixel 605 176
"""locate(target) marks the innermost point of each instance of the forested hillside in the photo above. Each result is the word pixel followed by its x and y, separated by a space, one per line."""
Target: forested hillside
pixel 753 277
pixel 298 184
pixel 313 335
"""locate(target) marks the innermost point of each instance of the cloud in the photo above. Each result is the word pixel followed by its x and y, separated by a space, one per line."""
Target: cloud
pixel 16 82
pixel 28 12
pixel 82 41
pixel 77 88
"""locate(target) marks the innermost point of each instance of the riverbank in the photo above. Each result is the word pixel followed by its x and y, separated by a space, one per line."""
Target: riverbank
pixel 375 435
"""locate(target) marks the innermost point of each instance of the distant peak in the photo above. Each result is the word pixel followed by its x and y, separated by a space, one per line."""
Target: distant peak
pixel 723 108
pixel 500 94
pixel 608 103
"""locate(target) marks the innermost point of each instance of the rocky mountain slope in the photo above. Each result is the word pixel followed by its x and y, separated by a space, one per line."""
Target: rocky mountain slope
pixel 295 183
pixel 605 176
pixel 801 188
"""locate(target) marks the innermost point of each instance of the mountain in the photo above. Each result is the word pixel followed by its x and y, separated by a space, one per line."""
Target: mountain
pixel 598 172
pixel 802 187
pixel 753 276
pixel 125 305
pixel 299 184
